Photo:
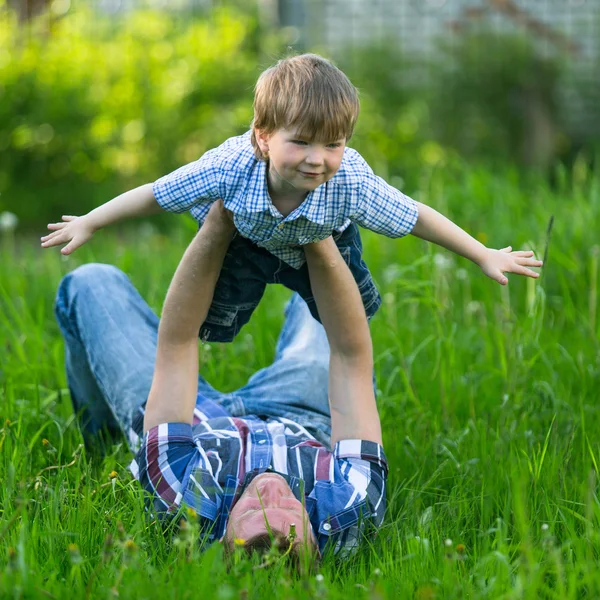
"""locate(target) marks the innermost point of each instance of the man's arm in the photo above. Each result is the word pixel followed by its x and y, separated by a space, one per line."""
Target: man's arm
pixel 434 227
pixel 175 384
pixel 76 231
pixel 351 397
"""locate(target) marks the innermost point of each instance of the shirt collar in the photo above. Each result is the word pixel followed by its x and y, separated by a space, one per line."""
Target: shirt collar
pixel 258 199
pixel 313 207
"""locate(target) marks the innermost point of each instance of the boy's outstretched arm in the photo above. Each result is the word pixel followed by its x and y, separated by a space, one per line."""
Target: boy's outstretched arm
pixel 76 231
pixel 434 227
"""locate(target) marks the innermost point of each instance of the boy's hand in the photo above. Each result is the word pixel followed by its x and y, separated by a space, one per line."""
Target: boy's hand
pixel 497 262
pixel 73 231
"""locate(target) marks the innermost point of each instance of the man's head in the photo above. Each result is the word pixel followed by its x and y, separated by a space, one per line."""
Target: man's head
pixel 263 516
pixel 305 110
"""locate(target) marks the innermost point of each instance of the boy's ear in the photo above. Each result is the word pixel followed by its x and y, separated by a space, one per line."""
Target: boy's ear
pixel 262 139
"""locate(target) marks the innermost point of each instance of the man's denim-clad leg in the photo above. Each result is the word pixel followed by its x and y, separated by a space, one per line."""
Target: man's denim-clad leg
pixel 295 385
pixel 110 338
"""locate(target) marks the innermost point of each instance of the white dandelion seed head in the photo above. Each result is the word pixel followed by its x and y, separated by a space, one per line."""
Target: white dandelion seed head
pixel 8 221
pixel 319 578
pixel 473 307
pixel 448 543
pixel 442 261
pixel 545 526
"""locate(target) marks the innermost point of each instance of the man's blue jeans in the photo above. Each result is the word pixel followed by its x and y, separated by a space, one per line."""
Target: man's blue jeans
pixel 110 337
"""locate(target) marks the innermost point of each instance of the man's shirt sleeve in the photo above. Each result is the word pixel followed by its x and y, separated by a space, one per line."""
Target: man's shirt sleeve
pixel 198 182
pixel 164 461
pixel 381 207
pixel 354 497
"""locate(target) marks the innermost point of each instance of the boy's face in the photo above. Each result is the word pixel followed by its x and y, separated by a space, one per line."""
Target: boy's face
pixel 298 164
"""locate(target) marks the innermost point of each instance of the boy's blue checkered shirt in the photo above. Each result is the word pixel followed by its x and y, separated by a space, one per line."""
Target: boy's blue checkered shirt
pixel 233 173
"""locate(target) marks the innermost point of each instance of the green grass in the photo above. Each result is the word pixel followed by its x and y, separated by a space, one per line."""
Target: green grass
pixel 488 397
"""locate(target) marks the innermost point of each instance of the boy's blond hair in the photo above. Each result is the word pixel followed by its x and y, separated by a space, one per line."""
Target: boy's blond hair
pixel 308 93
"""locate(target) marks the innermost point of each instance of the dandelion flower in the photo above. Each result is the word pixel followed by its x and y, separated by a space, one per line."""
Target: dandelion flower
pixel 8 221
pixel 460 548
pixel 239 542
pixel 45 442
pixel 113 475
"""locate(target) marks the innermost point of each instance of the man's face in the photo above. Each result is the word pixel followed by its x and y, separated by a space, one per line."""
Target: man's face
pixel 298 164
pixel 268 499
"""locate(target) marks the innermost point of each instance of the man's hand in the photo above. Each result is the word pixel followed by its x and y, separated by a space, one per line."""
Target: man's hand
pixel 220 216
pixel 495 263
pixel 73 231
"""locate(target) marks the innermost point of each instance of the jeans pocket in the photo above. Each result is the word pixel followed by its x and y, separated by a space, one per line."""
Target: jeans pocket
pixel 221 314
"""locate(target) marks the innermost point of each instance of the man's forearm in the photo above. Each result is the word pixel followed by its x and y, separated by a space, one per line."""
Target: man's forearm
pixel 338 300
pixel 192 287
pixel 175 383
pixel 138 202
pixel 434 227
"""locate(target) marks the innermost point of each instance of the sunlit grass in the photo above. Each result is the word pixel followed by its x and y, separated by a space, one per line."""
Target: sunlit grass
pixel 488 396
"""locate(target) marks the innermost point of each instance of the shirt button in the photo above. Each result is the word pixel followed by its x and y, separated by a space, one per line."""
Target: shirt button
pixel 327 527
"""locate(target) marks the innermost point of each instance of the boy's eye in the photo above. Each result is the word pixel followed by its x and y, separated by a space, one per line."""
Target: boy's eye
pixel 299 142
pixel 334 145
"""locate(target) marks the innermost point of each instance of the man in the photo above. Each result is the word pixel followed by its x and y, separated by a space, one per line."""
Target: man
pixel 254 462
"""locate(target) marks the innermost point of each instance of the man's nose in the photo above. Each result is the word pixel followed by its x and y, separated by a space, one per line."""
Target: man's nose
pixel 270 493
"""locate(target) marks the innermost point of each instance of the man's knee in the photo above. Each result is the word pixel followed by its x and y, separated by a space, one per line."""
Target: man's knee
pixel 94 275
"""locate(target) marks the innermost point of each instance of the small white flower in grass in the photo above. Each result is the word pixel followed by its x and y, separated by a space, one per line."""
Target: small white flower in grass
pixel 377 572
pixel 442 261
pixel 8 221
pixel 320 578
pixel 473 307
pixel 545 527
pixel 448 543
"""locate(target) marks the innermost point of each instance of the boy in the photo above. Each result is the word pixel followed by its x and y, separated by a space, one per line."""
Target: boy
pixel 290 181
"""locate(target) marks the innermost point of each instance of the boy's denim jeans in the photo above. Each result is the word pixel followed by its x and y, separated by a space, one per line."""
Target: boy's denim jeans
pixel 247 270
pixel 110 337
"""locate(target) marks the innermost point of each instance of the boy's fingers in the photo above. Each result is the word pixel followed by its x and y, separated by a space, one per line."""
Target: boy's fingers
pixel 50 236
pixel 523 253
pixel 55 238
pixel 528 273
pixel 54 226
pixel 499 277
pixel 530 262
pixel 68 218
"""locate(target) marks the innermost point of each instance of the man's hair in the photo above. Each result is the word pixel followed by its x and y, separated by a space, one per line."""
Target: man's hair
pixel 306 92
pixel 301 555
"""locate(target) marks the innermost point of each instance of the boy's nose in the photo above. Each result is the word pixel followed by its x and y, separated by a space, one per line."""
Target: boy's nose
pixel 314 158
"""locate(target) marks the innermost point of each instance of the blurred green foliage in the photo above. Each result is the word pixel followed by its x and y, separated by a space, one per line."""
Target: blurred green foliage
pixel 100 104
pixel 93 104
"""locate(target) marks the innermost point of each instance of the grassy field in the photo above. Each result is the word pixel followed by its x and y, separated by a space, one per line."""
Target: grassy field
pixel 488 396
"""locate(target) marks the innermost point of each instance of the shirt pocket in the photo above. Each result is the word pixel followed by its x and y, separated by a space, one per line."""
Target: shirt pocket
pixel 345 519
pixel 257 228
pixel 203 494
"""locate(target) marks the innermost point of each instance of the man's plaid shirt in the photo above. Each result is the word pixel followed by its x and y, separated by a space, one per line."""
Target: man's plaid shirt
pixel 207 465
pixel 233 173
